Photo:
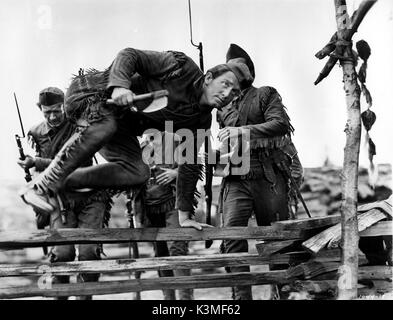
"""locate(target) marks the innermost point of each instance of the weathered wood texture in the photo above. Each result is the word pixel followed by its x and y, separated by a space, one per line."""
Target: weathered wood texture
pixel 145 264
pixel 383 205
pixel 349 218
pixel 312 269
pixel 376 273
pixel 310 223
pixel 332 235
pixel 383 228
pixel 270 247
pixel 113 287
pixel 380 280
pixel 38 238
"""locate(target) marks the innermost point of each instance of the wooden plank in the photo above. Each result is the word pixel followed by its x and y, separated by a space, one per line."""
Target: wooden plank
pixel 376 273
pixel 308 270
pixel 316 286
pixel 145 264
pixel 380 287
pixel 113 287
pixel 383 228
pixel 309 223
pixel 332 236
pixel 265 249
pixel 384 205
pixel 37 238
pixel 311 269
pixel 313 286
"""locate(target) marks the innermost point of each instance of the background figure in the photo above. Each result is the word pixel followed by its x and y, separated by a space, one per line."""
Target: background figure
pixel 82 209
pixel 264 190
pixel 155 205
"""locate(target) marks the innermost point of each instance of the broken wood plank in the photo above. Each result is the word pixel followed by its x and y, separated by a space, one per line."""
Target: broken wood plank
pixel 383 228
pixel 265 249
pixel 114 287
pixel 308 270
pixel 331 236
pixel 37 238
pixel 313 286
pixel 146 264
pixel 309 223
pixel 384 205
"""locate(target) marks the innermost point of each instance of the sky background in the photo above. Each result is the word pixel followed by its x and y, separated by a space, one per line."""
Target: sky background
pixel 44 42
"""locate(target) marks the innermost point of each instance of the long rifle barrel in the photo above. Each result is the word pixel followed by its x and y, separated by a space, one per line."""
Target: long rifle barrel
pixel 20 118
pixel 22 155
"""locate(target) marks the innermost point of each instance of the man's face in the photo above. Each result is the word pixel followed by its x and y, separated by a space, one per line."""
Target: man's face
pixel 54 114
pixel 219 91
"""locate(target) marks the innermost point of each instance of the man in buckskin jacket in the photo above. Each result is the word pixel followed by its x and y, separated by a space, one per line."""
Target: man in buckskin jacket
pixel 112 129
pixel 83 209
pixel 264 189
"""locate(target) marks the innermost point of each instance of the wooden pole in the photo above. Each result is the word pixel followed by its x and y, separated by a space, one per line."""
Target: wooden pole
pixel 347 283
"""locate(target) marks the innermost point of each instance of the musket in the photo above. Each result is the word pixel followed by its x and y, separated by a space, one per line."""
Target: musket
pixel 208 190
pixel 208 167
pixel 22 155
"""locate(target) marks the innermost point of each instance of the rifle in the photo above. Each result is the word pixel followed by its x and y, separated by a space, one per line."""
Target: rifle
pixel 22 155
pixel 208 167
pixel 208 190
pixel 132 244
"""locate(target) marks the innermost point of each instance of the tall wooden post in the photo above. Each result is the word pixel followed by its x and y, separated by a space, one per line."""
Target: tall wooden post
pixel 340 48
pixel 347 284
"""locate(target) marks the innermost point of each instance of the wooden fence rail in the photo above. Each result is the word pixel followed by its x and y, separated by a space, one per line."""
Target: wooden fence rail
pixel 283 244
pixel 37 238
pixel 146 264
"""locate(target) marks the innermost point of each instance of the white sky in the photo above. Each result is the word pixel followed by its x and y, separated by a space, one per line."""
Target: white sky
pixel 44 42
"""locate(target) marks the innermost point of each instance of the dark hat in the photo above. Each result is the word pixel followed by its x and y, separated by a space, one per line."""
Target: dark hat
pixel 235 51
pixel 50 96
pixel 242 73
pixel 240 70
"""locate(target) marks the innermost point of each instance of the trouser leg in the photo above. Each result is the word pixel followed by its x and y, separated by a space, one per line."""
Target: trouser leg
pixel 271 203
pixel 161 250
pixel 62 253
pixel 90 216
pixel 374 250
pixel 125 166
pixel 179 248
pixel 237 208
